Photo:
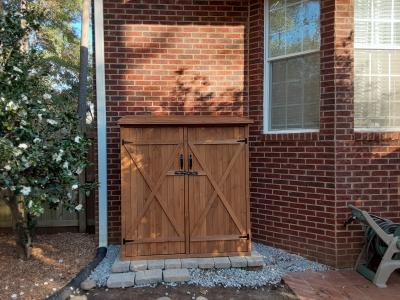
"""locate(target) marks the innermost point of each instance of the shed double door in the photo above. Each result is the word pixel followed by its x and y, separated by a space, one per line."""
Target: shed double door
pixel 184 191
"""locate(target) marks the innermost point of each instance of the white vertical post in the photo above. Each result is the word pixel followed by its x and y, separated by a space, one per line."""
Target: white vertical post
pixel 101 121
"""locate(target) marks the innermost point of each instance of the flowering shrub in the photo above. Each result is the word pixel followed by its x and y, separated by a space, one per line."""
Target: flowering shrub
pixel 41 150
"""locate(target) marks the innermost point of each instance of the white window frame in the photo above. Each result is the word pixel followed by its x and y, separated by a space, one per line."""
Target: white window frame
pixel 358 46
pixel 267 79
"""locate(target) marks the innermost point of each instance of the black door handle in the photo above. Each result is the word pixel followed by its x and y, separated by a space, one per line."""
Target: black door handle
pixel 181 161
pixel 190 162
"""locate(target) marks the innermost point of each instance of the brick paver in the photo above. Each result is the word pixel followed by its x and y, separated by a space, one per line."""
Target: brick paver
pixel 340 285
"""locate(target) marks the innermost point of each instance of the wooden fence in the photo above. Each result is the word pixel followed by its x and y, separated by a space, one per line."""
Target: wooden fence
pixel 50 218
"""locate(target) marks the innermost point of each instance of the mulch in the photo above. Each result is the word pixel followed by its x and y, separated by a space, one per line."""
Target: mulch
pixel 56 259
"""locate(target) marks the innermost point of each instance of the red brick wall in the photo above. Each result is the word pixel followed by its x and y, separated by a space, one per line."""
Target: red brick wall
pixel 301 184
pixel 292 175
pixel 171 57
pixel 367 164
pixel 206 57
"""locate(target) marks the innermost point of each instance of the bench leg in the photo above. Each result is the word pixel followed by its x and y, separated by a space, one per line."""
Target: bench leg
pixel 387 265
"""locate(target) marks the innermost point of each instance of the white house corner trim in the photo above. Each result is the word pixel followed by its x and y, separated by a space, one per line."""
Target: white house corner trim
pixel 101 122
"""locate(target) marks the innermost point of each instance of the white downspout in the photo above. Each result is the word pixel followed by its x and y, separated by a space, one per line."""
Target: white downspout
pixel 101 121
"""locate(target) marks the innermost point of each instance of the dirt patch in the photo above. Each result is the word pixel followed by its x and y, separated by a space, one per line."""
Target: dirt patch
pixel 280 292
pixel 56 259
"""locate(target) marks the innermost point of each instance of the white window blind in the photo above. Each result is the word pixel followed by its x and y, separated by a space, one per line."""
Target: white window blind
pixel 377 64
pixel 292 65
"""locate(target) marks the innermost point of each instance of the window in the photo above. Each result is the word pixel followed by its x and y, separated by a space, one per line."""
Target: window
pixel 292 67
pixel 377 64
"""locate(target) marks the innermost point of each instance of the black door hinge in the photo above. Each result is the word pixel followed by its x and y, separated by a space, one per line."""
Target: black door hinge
pixel 244 141
pixel 244 237
pixel 124 241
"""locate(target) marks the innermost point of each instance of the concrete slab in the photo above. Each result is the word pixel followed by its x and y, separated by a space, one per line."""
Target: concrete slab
pixel 176 275
pixel 121 280
pixel 148 277
pixel 238 261
pixel 120 266
pixel 155 264
pixel 206 263
pixel 138 265
pixel 190 263
pixel 222 263
pixel 173 264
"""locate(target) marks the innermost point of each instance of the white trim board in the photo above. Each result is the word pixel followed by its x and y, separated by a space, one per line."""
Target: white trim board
pixel 101 122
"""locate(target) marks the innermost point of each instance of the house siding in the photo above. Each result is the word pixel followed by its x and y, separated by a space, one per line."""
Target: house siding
pixel 191 57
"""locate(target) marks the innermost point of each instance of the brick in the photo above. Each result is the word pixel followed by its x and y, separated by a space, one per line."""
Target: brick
pixel 138 265
pixel 255 261
pixel 121 280
pixel 190 263
pixel 238 261
pixel 88 284
pixel 120 266
pixel 176 275
pixel 148 277
pixel 155 264
pixel 206 263
pixel 222 262
pixel 173 264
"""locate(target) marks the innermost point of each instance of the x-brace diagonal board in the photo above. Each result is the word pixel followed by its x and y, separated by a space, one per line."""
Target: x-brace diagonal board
pixel 154 187
pixel 217 189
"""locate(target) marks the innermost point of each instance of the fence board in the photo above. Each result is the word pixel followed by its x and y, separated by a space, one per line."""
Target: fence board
pixel 50 218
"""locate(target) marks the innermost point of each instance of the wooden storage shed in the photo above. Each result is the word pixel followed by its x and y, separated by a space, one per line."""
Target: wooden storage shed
pixel 184 186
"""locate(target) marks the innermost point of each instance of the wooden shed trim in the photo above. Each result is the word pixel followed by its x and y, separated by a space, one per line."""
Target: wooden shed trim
pixel 182 120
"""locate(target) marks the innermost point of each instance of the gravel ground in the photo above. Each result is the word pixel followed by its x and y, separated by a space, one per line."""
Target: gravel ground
pixel 103 269
pixel 56 259
pixel 278 263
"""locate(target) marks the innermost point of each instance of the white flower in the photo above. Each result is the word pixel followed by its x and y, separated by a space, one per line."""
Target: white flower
pixel 52 122
pixel 12 188
pixel 79 171
pixel 77 139
pixel 78 207
pixel 37 140
pixel 26 190
pixel 40 116
pixel 57 157
pixel 17 152
pixel 32 72
pixel 23 146
pixel 74 187
pixel 11 106
pixel 47 96
pixel 69 195
pixel 7 167
pixel 30 203
pixel 66 165
pixel 24 97
pixel 16 69
pixel 2 99
pixel 23 23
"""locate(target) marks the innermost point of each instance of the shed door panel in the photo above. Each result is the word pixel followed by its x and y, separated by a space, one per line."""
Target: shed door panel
pixel 218 211
pixel 152 195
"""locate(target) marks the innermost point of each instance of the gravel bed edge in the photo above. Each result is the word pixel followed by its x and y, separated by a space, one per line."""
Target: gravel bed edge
pixel 75 282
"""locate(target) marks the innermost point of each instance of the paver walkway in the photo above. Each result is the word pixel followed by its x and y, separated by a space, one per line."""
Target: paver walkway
pixel 343 285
